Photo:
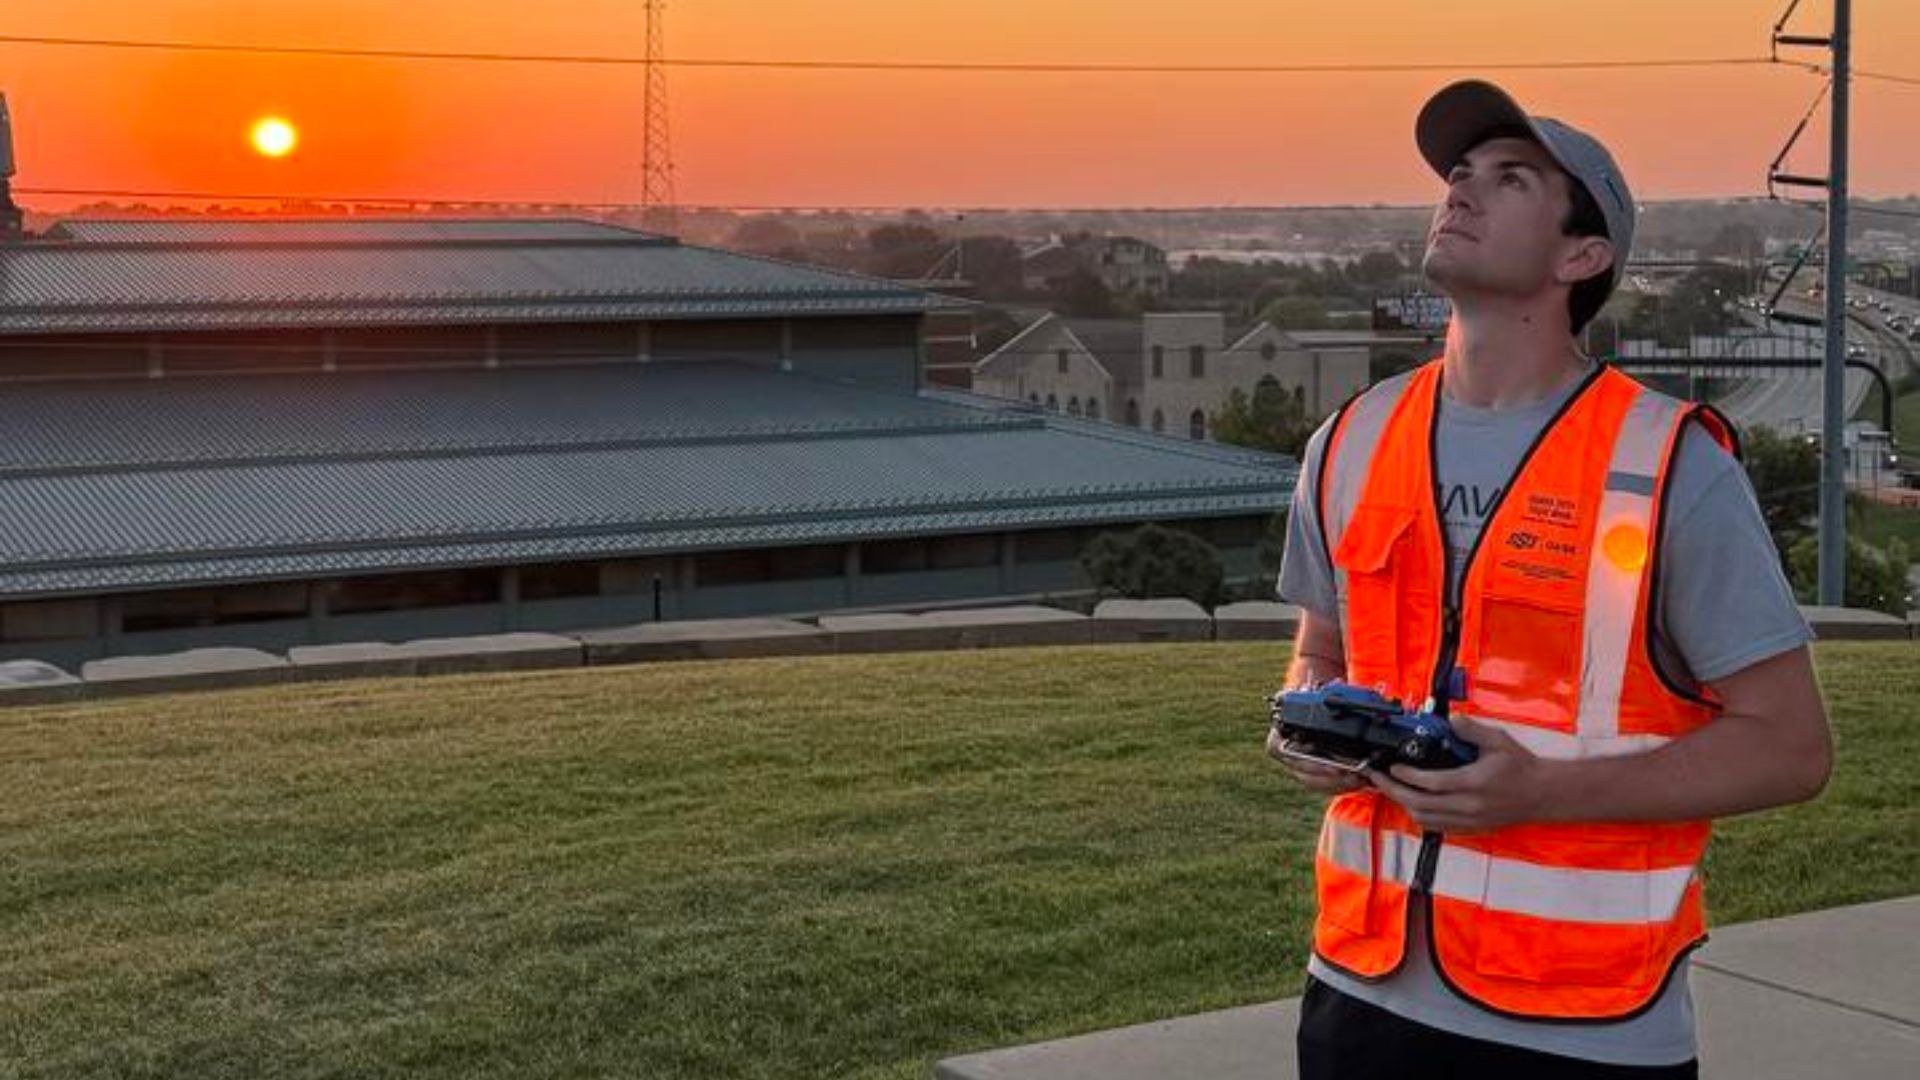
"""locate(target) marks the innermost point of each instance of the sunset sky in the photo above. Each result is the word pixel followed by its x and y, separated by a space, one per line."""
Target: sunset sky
pixel 175 121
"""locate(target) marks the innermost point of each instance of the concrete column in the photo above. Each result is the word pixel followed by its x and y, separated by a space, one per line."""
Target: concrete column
pixel 510 598
pixel 786 344
pixel 317 615
pixel 493 347
pixel 156 357
pixel 110 622
pixel 329 352
pixel 643 343
pixel 850 581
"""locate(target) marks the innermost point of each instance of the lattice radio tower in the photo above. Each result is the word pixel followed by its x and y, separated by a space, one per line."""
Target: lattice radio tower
pixel 656 153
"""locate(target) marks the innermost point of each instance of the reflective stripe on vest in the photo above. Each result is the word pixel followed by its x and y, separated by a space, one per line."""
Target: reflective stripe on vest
pixel 1623 544
pixel 1352 449
pixel 1501 884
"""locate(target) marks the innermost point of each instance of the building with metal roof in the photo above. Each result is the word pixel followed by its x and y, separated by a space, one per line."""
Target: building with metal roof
pixel 279 433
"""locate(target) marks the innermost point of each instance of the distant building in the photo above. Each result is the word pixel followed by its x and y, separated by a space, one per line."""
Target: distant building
pixel 1122 263
pixel 274 433
pixel 1165 372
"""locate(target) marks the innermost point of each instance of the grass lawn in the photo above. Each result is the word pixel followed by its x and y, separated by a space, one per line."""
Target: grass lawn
pixel 843 866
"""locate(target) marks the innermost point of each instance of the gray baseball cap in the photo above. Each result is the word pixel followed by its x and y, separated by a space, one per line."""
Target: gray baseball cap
pixel 1461 116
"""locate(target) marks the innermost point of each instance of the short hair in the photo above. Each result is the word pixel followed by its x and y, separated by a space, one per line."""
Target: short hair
pixel 1583 218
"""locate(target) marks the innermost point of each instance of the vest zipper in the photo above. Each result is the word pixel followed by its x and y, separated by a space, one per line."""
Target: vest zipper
pixel 1440 686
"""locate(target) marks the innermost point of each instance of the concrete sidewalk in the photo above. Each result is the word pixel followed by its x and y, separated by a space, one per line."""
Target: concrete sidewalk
pixel 1832 994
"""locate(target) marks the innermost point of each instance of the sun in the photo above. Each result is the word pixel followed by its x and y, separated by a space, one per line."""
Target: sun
pixel 274 137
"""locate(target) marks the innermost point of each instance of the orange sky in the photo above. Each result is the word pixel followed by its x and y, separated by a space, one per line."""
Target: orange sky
pixel 178 121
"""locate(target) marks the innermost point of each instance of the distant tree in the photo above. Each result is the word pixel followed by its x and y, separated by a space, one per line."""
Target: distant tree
pixel 1702 301
pixel 1876 576
pixel 992 263
pixel 765 234
pixel 1153 561
pixel 1378 269
pixel 1297 313
pixel 1271 419
pixel 904 251
pixel 1785 473
pixel 1083 295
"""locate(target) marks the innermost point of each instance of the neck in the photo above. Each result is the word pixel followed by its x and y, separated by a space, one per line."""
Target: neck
pixel 1502 355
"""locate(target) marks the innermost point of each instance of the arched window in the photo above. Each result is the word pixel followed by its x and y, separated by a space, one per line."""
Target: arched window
pixel 1035 398
pixel 1073 405
pixel 1053 403
pixel 1268 350
pixel 1093 408
pixel 1133 412
pixel 1159 361
pixel 1197 425
pixel 1061 357
pixel 1159 421
pixel 1266 383
pixel 1197 361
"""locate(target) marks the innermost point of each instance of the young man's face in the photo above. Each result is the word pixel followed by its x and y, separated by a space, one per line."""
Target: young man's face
pixel 1498 232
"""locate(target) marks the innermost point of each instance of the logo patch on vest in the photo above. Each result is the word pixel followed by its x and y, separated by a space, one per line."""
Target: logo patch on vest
pixel 1541 552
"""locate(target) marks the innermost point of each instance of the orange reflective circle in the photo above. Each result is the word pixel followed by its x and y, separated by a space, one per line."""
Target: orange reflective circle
pixel 1625 546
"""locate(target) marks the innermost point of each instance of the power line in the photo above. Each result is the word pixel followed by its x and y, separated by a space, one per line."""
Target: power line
pixel 884 65
pixel 1905 80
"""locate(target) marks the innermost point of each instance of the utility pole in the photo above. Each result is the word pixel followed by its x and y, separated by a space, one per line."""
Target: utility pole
pixel 1833 492
pixel 1833 450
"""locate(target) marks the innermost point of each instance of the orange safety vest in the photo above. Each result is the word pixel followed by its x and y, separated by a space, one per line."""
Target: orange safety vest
pixel 1550 640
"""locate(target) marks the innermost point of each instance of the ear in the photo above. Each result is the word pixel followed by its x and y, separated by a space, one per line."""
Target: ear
pixel 1585 257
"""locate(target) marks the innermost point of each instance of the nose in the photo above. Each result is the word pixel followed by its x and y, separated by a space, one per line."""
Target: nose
pixel 1460 193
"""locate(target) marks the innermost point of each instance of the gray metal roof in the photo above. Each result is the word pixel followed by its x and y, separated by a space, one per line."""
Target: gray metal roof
pixel 101 276
pixel 134 484
pixel 338 230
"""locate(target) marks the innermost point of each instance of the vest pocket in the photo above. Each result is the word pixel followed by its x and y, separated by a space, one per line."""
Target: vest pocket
pixel 1366 555
pixel 1547 925
pixel 1527 666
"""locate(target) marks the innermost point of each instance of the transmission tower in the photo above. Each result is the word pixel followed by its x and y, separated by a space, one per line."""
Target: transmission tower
pixel 656 152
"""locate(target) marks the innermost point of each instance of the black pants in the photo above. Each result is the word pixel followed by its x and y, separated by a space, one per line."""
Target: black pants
pixel 1344 1038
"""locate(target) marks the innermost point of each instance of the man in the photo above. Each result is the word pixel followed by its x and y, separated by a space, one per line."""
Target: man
pixel 1573 568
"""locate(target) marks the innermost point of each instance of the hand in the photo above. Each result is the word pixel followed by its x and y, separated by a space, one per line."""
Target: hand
pixel 1506 786
pixel 1320 779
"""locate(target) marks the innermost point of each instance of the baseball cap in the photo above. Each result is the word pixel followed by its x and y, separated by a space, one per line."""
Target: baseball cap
pixel 1460 116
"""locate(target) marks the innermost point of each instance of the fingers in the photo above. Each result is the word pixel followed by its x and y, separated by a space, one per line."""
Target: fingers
pixel 1435 780
pixel 1320 779
pixel 1448 811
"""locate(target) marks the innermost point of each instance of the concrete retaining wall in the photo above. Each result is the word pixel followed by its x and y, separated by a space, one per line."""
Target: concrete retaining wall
pixel 27 682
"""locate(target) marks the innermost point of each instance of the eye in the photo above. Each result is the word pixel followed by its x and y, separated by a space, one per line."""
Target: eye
pixel 1512 180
